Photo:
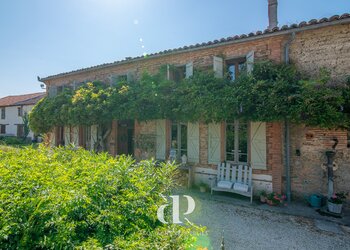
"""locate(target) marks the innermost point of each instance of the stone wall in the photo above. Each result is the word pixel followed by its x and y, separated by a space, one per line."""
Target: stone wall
pixel 327 47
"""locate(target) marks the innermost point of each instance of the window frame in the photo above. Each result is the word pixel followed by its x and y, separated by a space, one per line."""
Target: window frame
pixel 237 62
pixel 179 139
pixel 20 111
pixel 3 113
pixel 237 151
pixel 3 129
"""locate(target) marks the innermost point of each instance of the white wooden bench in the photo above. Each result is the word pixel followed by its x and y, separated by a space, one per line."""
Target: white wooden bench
pixel 234 178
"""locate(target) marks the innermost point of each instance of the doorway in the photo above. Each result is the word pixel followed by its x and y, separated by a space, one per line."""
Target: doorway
pixel 125 137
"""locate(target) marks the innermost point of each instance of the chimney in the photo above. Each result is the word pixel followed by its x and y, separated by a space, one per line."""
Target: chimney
pixel 272 14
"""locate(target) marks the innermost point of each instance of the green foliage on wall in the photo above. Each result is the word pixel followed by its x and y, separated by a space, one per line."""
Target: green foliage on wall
pixel 64 198
pixel 272 92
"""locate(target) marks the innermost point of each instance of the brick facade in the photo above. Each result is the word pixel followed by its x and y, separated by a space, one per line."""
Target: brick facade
pixel 308 159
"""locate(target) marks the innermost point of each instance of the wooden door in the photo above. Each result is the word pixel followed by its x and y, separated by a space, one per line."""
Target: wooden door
pixel 122 139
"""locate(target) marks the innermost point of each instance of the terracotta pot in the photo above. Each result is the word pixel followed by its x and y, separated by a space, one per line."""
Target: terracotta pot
pixel 263 199
pixel 270 202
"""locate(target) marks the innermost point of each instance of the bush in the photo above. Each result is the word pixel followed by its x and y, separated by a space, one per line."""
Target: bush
pixel 66 198
pixel 12 140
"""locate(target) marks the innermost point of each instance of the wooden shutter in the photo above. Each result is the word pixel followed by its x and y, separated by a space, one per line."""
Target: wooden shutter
pixel 258 145
pixel 93 136
pixel 52 91
pixel 218 67
pixel 214 146
pixel 189 70
pixel 130 76
pixel 75 135
pixel 193 142
pixel 160 139
pixel 67 135
pixel 168 72
pixel 52 138
pixel 250 61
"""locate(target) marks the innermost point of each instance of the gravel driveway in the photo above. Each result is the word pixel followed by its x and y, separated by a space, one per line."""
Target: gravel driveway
pixel 251 228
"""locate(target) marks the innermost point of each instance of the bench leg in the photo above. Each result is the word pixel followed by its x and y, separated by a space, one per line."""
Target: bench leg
pixel 251 195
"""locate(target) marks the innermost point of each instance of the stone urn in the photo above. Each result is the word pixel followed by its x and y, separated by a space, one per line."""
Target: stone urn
pixel 334 207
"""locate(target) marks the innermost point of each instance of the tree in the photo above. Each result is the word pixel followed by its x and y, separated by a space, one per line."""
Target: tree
pixel 26 129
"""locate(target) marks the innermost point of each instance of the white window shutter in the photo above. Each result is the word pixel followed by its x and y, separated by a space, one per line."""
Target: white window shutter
pixel 75 135
pixel 160 139
pixel 67 135
pixel 193 142
pixel 250 61
pixel 214 143
pixel 258 145
pixel 93 136
pixel 189 70
pixel 168 72
pixel 218 67
pixel 53 138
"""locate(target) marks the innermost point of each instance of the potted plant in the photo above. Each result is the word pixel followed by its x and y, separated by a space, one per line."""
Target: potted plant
pixel 263 196
pixel 335 203
pixel 274 199
pixel 203 187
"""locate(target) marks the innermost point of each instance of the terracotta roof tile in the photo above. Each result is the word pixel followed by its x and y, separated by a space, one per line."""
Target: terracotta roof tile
pixel 28 99
pixel 222 40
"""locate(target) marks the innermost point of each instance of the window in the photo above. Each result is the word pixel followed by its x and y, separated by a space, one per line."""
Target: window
pixel 118 78
pixel 20 111
pixel 179 139
pixel 237 141
pixel 179 73
pixel 20 130
pixel 3 113
pixel 234 67
pixel 60 89
pixel 2 129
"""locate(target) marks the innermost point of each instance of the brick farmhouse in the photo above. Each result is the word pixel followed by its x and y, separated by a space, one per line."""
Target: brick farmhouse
pixel 309 45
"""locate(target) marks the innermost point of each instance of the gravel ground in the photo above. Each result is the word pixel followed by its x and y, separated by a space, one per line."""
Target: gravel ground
pixel 251 228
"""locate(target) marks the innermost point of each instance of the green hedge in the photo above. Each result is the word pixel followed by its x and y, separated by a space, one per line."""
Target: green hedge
pixel 67 198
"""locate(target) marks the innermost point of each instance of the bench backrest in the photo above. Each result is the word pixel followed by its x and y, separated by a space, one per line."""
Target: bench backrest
pixel 241 173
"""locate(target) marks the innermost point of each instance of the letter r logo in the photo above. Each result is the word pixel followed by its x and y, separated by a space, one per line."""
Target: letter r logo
pixel 176 209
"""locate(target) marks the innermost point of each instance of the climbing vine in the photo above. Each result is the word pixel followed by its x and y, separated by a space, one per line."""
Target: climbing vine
pixel 272 92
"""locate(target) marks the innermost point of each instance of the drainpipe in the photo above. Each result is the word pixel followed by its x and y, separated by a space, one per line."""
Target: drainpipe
pixel 287 130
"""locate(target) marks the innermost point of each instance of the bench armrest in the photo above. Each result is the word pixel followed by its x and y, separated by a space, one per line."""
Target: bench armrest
pixel 213 181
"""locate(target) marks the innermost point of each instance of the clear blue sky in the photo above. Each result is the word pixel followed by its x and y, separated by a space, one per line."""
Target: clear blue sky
pixel 45 37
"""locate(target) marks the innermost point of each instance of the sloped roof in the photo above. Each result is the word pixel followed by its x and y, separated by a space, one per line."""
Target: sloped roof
pixel 15 100
pixel 314 23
